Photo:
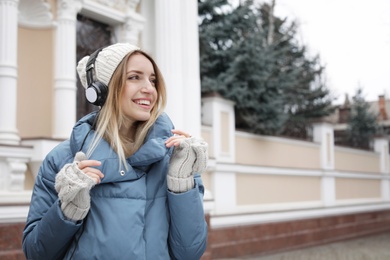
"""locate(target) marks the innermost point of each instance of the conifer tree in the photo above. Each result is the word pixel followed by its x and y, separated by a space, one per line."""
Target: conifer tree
pixel 362 124
pixel 251 57
pixel 214 36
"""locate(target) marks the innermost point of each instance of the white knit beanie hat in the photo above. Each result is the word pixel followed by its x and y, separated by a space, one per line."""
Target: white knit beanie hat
pixel 106 62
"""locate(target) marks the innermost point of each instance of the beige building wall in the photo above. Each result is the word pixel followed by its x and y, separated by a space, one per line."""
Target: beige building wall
pixel 357 189
pixel 29 180
pixel 264 189
pixel 353 160
pixel 206 178
pixel 35 82
pixel 206 135
pixel 273 152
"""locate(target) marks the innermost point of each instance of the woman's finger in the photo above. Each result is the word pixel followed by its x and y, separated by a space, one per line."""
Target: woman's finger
pixel 93 173
pixel 95 177
pixel 180 132
pixel 174 141
pixel 88 163
pixel 87 168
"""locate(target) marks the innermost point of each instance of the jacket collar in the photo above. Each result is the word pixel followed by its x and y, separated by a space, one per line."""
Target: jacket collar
pixel 151 151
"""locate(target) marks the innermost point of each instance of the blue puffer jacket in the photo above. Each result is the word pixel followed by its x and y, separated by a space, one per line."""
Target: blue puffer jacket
pixel 133 216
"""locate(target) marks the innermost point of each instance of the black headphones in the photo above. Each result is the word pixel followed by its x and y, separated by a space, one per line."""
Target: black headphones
pixel 96 92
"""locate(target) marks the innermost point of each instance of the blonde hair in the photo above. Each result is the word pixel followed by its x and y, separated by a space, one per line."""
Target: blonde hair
pixel 111 119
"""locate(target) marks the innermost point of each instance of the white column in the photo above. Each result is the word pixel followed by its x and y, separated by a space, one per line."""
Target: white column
pixel 381 146
pixel 148 37
pixel 8 71
pixel 219 114
pixel 385 189
pixel 324 135
pixel 328 190
pixel 130 30
pixel 224 192
pixel 191 71
pixel 65 88
pixel 169 54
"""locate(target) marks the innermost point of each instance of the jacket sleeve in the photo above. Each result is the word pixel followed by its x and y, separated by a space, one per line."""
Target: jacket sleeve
pixel 188 227
pixel 47 233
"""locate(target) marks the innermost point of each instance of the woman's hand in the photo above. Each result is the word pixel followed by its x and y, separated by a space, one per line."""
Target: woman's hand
pixel 175 140
pixel 87 167
pixel 189 156
pixel 73 183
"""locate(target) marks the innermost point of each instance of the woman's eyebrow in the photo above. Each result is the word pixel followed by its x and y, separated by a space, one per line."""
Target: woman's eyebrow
pixel 135 71
pixel 139 72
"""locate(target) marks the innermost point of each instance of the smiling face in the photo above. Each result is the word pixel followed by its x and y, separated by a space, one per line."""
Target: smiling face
pixel 139 94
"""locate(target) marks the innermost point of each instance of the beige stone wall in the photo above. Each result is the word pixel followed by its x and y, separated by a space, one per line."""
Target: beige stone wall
pixel 281 176
pixel 35 82
pixel 285 158
pixel 353 160
pixel 264 189
pixel 276 152
pixel 357 188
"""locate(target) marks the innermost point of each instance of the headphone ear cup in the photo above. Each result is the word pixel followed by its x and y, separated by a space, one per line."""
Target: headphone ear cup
pixel 96 93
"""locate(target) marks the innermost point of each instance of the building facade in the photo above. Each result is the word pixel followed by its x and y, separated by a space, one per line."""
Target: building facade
pixel 263 194
pixel 40 41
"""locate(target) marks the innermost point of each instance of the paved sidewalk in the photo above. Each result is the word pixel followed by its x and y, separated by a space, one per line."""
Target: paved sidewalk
pixel 375 247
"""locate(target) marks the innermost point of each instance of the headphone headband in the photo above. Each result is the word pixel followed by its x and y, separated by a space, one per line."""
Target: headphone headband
pixel 91 65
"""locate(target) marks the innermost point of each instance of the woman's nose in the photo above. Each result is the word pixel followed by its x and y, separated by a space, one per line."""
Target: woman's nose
pixel 147 87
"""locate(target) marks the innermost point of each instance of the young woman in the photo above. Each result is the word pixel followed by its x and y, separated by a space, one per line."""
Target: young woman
pixel 125 185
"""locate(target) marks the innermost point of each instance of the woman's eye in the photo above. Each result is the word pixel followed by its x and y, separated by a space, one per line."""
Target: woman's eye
pixel 153 81
pixel 133 77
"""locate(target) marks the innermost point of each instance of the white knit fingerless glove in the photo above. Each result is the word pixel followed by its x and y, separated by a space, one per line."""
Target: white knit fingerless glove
pixel 188 158
pixel 73 188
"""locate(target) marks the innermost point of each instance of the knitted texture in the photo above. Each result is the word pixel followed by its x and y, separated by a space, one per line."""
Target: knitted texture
pixel 106 62
pixel 188 158
pixel 73 188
